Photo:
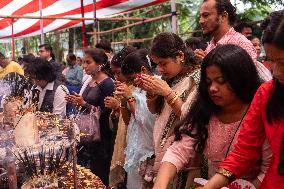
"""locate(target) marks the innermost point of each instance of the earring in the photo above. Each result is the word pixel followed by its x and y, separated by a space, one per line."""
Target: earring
pixel 182 61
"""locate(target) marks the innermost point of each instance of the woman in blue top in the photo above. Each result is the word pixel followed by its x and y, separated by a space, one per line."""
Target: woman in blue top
pixel 140 128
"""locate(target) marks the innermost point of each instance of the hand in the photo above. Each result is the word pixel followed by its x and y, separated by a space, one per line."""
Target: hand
pixel 256 183
pixel 75 99
pixel 63 78
pixel 199 54
pixel 111 102
pixel 122 90
pixel 154 85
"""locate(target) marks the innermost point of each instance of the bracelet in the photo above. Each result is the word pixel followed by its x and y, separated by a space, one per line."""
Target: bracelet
pixel 173 100
pixel 229 175
pixel 172 97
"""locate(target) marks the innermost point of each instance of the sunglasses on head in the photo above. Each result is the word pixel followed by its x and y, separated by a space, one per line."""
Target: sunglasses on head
pixel 280 167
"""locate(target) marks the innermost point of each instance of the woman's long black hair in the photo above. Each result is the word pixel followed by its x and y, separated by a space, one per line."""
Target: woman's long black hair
pixel 239 72
pixel 274 34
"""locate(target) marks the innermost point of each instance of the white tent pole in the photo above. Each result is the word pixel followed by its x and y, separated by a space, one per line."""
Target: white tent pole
pixel 41 22
pixel 174 16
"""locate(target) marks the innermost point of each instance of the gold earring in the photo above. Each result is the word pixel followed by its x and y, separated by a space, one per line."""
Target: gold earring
pixel 182 61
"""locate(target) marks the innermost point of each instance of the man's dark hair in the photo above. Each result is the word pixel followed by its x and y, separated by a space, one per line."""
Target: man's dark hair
pixel 28 58
pixel 72 56
pixel 47 47
pixel 240 26
pixel 41 69
pixel 105 45
pixel 226 6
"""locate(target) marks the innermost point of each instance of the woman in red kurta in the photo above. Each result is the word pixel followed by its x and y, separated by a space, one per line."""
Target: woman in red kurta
pixel 265 118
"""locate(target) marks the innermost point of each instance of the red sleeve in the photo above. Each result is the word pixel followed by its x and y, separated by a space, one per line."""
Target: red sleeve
pixel 248 148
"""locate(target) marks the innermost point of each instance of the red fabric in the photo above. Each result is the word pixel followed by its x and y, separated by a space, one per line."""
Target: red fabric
pixel 267 65
pixel 252 135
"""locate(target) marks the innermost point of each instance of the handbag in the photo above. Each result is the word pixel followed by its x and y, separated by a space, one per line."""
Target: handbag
pixel 89 126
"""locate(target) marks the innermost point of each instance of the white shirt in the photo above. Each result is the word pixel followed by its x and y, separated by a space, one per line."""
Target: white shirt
pixel 86 80
pixel 59 102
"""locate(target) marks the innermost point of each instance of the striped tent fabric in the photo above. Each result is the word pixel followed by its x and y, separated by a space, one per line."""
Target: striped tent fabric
pixel 59 8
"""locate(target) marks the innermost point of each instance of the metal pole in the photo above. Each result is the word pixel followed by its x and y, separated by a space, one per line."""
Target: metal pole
pixel 174 16
pixel 95 22
pixel 74 154
pixel 41 22
pixel 13 41
pixel 85 43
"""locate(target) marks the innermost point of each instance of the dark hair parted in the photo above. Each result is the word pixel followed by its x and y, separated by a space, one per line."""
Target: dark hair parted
pixel 239 72
pixel 118 58
pixel 241 25
pixel 99 56
pixel 28 58
pixel 226 6
pixel 196 43
pixel 273 33
pixel 273 27
pixel 169 45
pixel 135 61
pixel 41 69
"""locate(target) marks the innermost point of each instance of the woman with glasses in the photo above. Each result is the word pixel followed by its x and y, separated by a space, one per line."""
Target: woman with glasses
pixel 265 118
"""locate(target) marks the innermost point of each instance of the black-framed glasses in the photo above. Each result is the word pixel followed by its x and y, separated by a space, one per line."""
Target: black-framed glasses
pixel 280 167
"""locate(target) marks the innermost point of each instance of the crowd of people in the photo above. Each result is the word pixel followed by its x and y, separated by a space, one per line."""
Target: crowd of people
pixel 178 110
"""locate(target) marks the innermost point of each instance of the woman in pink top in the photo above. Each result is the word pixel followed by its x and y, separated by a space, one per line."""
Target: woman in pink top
pixel 265 118
pixel 227 85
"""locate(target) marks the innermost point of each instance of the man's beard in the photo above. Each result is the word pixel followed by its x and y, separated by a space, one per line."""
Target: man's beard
pixel 215 28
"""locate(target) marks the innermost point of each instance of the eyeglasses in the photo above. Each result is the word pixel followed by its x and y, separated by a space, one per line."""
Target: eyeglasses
pixel 280 167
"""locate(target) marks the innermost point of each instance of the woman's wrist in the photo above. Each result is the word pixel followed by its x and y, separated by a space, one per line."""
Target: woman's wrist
pixel 228 174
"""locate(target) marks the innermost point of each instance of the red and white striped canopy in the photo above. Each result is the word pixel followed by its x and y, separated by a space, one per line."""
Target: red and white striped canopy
pixel 59 8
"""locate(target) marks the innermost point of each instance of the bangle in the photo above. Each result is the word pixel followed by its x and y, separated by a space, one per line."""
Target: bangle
pixel 173 100
pixel 229 175
pixel 171 97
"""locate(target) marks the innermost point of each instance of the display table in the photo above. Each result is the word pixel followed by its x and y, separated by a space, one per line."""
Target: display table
pixel 50 155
